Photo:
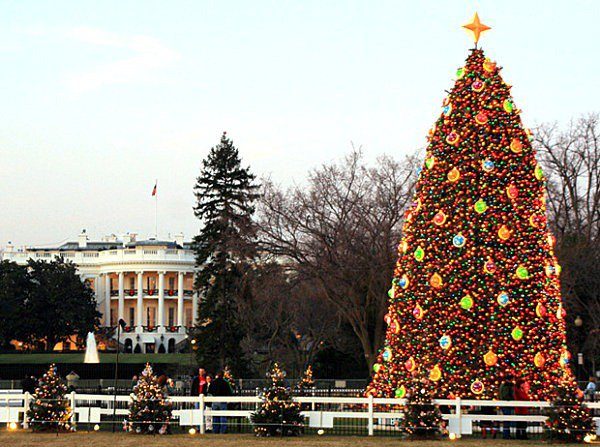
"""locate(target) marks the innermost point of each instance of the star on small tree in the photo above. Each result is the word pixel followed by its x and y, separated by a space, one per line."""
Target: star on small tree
pixel 278 414
pixel 50 409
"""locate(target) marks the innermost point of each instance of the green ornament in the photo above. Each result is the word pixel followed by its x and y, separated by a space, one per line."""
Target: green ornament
pixel 460 73
pixel 376 367
pixel 517 333
pixel 466 302
pixel 522 272
pixel 419 254
pixel 429 161
pixel 391 292
pixel 400 392
pixel 539 173
pixel 480 206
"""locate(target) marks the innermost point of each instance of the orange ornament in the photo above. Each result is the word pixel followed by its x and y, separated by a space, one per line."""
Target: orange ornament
pixel 490 358
pixel 504 233
pixel 435 374
pixel 453 175
pixel 516 146
pixel 436 281
pixel 539 360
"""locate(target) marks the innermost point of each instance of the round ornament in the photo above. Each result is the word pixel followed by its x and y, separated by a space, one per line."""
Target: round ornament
pixel 504 233
pixel 400 392
pixel 447 110
pixel 490 358
pixel 481 118
pixel 522 272
pixel 392 291
pixel 478 85
pixel 436 281
pixel 376 367
pixel 489 266
pixel 466 302
pixel 445 342
pixel 403 282
pixel 480 206
pixel 460 73
pixel 387 354
pixel 539 172
pixel 540 310
pixel 453 175
pixel 429 162
pixel 517 333
pixel 395 327
pixel 560 312
pixel 489 65
pixel 565 356
pixel 435 374
pixel 410 364
pixel 512 191
pixel 516 146
pixel 487 165
pixel 459 240
pixel 387 318
pixel 477 387
pixel 453 138
pixel 539 360
pixel 508 106
pixel 503 299
pixel 439 218
pixel 418 312
pixel 419 254
pixel 403 246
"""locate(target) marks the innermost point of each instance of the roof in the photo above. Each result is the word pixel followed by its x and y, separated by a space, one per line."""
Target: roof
pixel 115 245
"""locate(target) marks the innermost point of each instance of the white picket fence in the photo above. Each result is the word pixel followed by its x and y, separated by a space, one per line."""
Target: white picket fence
pixel 320 412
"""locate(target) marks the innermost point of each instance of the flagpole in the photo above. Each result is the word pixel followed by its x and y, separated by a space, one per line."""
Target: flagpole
pixel 156 210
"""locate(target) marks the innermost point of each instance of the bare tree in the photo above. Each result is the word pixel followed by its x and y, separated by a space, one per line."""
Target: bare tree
pixel 340 232
pixel 571 158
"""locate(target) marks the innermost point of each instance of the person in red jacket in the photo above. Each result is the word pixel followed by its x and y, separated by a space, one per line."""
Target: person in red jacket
pixel 522 393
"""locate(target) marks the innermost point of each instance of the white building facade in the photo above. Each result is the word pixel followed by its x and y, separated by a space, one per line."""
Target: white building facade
pixel 147 283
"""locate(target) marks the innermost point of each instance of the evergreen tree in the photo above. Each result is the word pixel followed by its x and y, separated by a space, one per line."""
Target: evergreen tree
pixel 568 419
pixel 476 290
pixel 224 249
pixel 50 409
pixel 278 414
pixel 306 383
pixel 422 419
pixel 149 411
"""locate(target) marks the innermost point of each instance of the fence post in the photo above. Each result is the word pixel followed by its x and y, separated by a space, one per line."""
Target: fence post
pixel 202 425
pixel 370 426
pixel 26 403
pixel 458 411
pixel 72 403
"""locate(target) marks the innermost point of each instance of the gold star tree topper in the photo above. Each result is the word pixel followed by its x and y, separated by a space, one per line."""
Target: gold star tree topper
pixel 476 27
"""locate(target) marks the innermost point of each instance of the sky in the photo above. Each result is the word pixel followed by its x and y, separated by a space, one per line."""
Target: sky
pixel 99 99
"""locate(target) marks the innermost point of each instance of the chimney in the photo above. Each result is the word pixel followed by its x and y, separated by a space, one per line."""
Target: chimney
pixel 9 247
pixel 82 240
pixel 179 239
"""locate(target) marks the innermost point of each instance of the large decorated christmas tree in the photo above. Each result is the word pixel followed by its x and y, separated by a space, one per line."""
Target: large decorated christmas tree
pixel 476 294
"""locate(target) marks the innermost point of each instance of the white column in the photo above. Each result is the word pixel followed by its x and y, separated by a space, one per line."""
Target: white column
pixel 140 301
pixel 121 296
pixel 195 308
pixel 180 300
pixel 161 300
pixel 107 299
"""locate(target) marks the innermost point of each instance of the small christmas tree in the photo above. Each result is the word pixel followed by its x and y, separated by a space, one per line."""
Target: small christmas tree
pixel 278 415
pixel 50 409
pixel 149 411
pixel 422 418
pixel 568 419
pixel 306 383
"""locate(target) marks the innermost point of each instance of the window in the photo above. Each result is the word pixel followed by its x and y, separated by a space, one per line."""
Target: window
pixel 111 285
pixel 113 317
pixel 150 316
pixel 131 316
pixel 188 318
pixel 171 316
pixel 132 283
pixel 171 283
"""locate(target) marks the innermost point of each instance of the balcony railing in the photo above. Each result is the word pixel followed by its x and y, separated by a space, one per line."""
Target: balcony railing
pixel 169 293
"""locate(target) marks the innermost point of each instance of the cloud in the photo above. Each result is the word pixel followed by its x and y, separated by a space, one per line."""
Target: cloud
pixel 148 55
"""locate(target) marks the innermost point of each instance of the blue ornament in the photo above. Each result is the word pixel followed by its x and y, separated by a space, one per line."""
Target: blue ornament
pixel 459 240
pixel 503 299
pixel 445 341
pixel 488 165
pixel 403 282
pixel 387 354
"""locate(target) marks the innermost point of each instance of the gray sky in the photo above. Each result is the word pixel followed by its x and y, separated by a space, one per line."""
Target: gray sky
pixel 102 98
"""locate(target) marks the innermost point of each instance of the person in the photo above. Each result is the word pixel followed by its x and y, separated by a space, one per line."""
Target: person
pixel 507 392
pixel 488 425
pixel 219 388
pixel 522 393
pixel 134 381
pixel 28 384
pixel 199 384
pixel 590 390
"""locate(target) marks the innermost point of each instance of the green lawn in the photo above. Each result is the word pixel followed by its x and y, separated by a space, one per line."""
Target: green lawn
pixel 58 357
pixel 26 439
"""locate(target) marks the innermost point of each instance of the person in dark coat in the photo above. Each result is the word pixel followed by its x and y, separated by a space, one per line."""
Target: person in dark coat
pixel 507 392
pixel 219 387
